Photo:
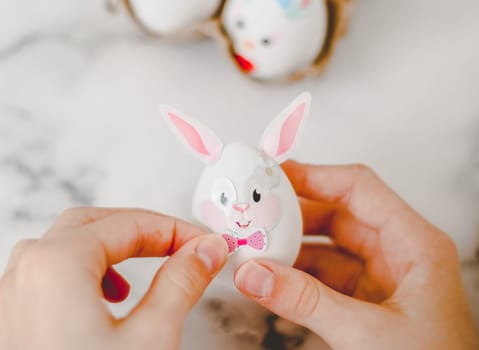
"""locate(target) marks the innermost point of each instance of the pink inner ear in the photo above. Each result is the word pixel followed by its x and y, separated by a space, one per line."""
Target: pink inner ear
pixel 190 134
pixel 289 130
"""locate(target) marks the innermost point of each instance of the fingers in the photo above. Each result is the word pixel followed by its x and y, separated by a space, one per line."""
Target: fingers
pixel 180 282
pixel 110 237
pixel 18 251
pixel 355 187
pixel 337 269
pixel 359 193
pixel 77 217
pixel 346 273
pixel 300 298
pixel 115 287
pixel 128 234
pixel 316 216
pixel 341 226
pixel 354 236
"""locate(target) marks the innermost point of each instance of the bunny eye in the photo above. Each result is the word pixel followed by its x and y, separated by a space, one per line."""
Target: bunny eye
pixel 240 24
pixel 224 200
pixel 266 41
pixel 256 195
pixel 223 193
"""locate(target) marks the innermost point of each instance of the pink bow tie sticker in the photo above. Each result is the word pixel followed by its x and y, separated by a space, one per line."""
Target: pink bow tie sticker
pixel 256 240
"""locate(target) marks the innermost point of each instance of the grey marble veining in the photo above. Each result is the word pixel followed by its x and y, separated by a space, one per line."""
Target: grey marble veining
pixel 37 187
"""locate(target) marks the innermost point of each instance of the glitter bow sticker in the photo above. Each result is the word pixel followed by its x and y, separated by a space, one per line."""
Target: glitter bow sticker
pixel 256 241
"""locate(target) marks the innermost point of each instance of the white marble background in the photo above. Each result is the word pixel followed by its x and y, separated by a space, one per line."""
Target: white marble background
pixel 79 90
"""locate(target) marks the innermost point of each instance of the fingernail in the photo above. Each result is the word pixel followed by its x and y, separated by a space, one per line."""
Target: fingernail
pixel 212 252
pixel 254 279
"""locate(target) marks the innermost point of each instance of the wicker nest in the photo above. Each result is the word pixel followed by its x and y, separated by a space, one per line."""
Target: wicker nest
pixel 337 15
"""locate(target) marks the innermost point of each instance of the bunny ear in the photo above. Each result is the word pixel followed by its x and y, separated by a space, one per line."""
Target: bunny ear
pixel 280 136
pixel 200 140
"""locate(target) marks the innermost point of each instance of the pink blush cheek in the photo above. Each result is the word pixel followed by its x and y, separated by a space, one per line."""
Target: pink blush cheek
pixel 237 9
pixel 278 37
pixel 267 213
pixel 213 217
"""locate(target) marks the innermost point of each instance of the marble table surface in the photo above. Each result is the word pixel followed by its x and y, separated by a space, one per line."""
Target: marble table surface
pixel 80 87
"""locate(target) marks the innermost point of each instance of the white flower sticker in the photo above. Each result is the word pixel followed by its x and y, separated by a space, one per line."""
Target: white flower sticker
pixel 268 173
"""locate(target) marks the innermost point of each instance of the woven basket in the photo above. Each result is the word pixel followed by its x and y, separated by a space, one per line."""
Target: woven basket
pixel 338 17
pixel 192 32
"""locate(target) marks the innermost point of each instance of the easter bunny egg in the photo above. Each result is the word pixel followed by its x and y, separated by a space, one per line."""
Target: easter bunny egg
pixel 274 38
pixel 164 18
pixel 243 194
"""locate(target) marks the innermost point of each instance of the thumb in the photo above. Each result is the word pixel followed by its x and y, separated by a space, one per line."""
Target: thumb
pixel 181 281
pixel 302 299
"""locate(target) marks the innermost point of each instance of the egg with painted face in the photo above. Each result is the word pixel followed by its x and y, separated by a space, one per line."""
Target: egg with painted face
pixel 171 17
pixel 243 194
pixel 272 39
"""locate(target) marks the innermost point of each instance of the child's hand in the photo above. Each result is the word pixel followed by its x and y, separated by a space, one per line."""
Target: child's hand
pixel 394 279
pixel 51 292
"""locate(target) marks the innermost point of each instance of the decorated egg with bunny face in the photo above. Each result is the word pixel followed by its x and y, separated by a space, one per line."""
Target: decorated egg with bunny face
pixel 243 194
pixel 164 18
pixel 272 39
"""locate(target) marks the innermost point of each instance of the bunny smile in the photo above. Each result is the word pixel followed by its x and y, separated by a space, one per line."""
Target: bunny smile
pixel 243 226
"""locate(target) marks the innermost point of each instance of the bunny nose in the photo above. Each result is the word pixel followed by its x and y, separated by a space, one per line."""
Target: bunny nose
pixel 248 44
pixel 241 207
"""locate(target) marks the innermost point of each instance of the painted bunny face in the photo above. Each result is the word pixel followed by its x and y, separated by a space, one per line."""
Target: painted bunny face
pixel 274 38
pixel 253 202
pixel 243 194
pixel 168 17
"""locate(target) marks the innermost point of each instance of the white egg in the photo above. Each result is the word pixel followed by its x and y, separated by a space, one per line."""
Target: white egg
pixel 169 17
pixel 272 39
pixel 272 220
pixel 243 194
